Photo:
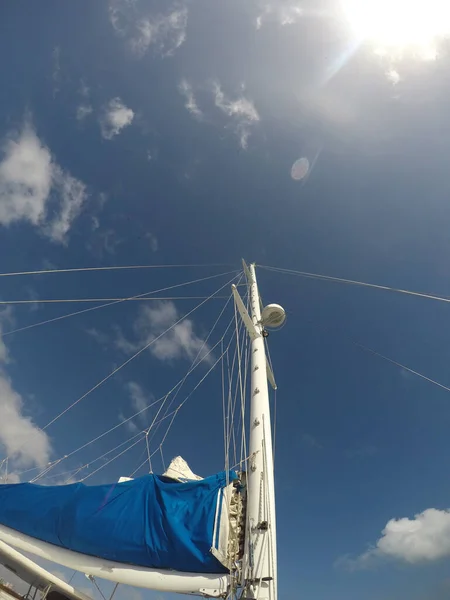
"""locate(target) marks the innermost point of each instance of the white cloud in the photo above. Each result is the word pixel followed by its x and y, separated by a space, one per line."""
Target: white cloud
pixel 9 477
pixel 166 32
pixel 153 241
pixel 311 441
pixel 241 110
pixel 423 539
pixel 180 342
pixel 56 69
pixel 393 76
pixel 85 108
pixel 25 179
pixel 23 441
pixel 100 337
pixel 130 425
pixel 34 188
pixel 282 12
pixel 115 117
pixel 139 399
pixel 84 89
pixel 25 444
pixel 72 195
pixel 83 111
pixel 185 89
pixel 5 317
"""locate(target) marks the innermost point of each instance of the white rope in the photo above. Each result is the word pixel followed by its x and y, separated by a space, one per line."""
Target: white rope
pixel 195 388
pixel 81 300
pixel 131 358
pixel 156 421
pixel 175 412
pixel 135 355
pixel 114 268
pixel 123 422
pixel 224 414
pixel 243 408
pixel 352 282
pixel 200 351
pixel 85 466
pixel 85 310
pixel 112 459
pixel 233 399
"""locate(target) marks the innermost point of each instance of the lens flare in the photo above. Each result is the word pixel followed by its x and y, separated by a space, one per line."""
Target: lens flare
pixel 400 26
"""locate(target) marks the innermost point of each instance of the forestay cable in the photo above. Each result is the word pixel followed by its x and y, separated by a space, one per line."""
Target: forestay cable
pixel 135 355
pixel 85 310
pixel 148 345
pixel 93 300
pixel 113 268
pixel 353 282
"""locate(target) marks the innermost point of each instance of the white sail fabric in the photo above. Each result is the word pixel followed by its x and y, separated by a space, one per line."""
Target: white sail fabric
pixel 179 471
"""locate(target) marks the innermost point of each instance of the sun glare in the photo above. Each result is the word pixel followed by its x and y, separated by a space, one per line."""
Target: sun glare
pixel 399 26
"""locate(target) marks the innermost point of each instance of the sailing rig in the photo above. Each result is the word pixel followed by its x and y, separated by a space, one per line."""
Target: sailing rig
pixel 176 532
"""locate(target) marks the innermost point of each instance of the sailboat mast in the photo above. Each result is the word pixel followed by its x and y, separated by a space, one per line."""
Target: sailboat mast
pixel 261 563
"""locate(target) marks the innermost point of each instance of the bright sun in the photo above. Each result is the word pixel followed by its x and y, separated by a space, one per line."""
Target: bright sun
pixel 398 26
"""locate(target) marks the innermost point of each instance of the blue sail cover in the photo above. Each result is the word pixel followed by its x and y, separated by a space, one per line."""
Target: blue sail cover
pixel 149 522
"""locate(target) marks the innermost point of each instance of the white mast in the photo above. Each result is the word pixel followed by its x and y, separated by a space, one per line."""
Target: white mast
pixel 260 556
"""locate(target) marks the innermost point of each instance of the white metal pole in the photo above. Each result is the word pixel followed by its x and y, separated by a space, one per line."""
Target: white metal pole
pixel 261 555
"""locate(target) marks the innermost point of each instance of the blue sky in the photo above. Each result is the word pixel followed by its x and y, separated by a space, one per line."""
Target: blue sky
pixel 156 133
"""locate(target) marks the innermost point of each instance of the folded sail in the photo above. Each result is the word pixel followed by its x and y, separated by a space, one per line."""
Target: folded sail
pixel 149 522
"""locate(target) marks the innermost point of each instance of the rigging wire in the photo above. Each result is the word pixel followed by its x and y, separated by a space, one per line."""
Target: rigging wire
pixel 402 366
pixel 126 362
pixel 194 365
pixel 232 400
pixel 175 412
pixel 123 422
pixel 113 458
pixel 113 268
pixel 135 355
pixel 80 300
pixel 85 310
pixel 92 580
pixel 353 282
pixel 203 346
pixel 190 393
pixel 388 359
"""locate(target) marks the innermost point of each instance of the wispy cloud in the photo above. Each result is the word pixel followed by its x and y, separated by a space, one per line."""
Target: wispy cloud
pixel 241 110
pixel 104 241
pixel 130 425
pixel 21 439
pixel 367 451
pixel 72 194
pixel 6 318
pixel 34 188
pixel 116 116
pixel 311 441
pixel 178 343
pixel 84 109
pixel 100 337
pixel 393 76
pixel 56 69
pixel 139 399
pixel 281 12
pixel 165 31
pixel 186 90
pixel 153 241
pixel 425 538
